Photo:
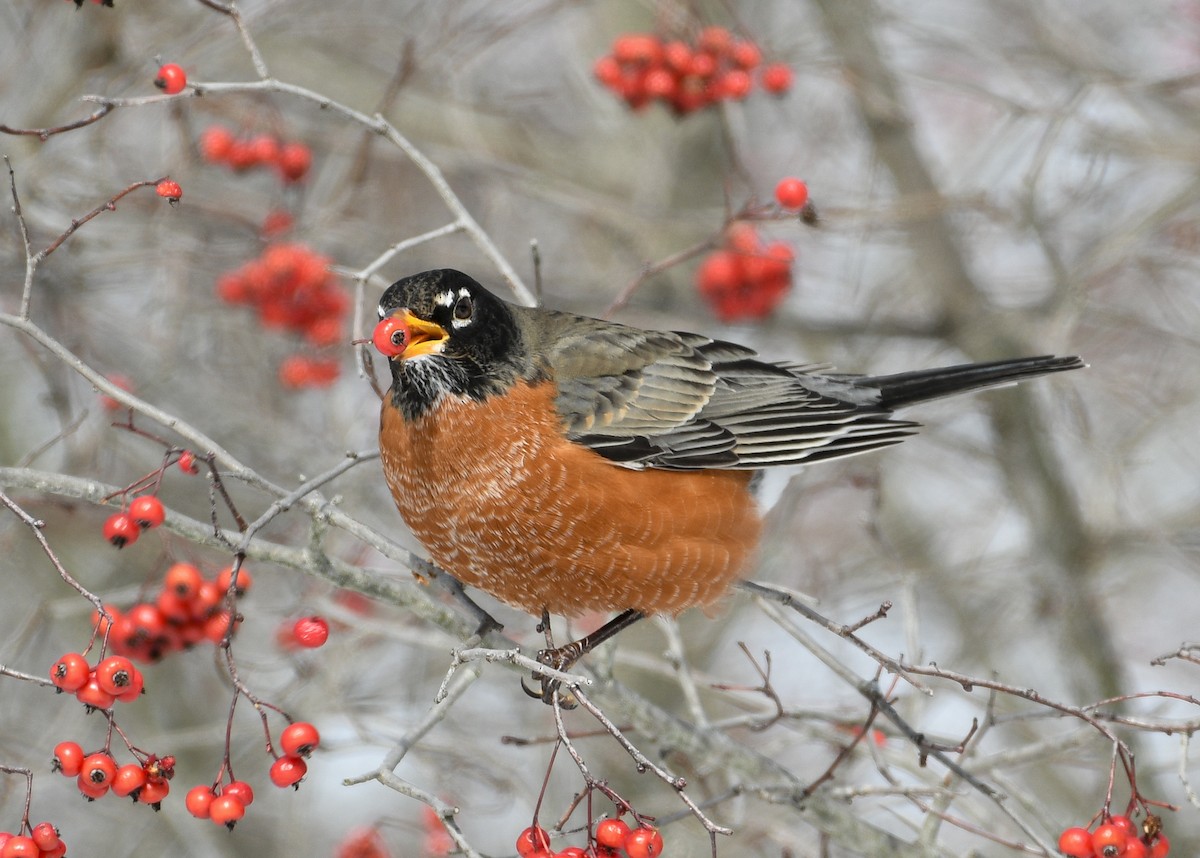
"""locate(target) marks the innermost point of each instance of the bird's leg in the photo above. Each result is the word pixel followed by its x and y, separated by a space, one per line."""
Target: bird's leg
pixel 561 658
pixel 487 623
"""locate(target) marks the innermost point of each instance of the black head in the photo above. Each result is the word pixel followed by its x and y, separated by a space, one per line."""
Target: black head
pixel 456 338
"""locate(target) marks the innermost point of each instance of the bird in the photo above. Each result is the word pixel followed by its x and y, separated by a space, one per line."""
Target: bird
pixel 566 464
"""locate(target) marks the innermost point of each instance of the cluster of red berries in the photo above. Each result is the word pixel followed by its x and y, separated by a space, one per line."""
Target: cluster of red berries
pixel 115 678
pixel 611 839
pixel 290 286
pixel 1116 837
pixel 642 67
pixel 226 804
pixel 291 159
pixel 43 840
pixel 145 781
pixel 745 278
pixel 187 610
pixel 171 79
pixel 144 513
pixel 368 843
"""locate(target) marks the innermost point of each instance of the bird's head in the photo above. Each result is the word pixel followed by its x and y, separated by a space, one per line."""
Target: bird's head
pixel 444 334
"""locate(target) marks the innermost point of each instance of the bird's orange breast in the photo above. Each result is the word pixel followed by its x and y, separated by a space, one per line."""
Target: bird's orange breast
pixel 504 502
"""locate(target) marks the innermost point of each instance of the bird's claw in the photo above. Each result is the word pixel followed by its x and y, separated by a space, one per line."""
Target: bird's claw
pixel 545 689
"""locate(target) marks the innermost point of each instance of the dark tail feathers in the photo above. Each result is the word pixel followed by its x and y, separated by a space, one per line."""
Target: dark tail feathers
pixel 906 388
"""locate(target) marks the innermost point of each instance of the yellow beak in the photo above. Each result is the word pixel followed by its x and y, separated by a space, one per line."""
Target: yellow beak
pixel 424 337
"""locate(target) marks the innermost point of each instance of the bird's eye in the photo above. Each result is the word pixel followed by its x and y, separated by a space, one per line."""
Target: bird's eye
pixel 463 308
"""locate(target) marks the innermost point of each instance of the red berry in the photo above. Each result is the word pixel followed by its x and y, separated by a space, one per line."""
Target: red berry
pixel 1160 847
pixel 155 790
pixel 71 672
pixel 20 847
pixel 644 842
pixel 1125 824
pixel 294 161
pixel 1136 849
pixel 637 48
pixel 121 530
pixel 226 810
pixel 612 833
pixel 791 193
pixel 608 71
pixel 1076 843
pixel 532 839
pixel 133 690
pixel 183 580
pixel 215 143
pixel 45 836
pixel 241 789
pixel 115 674
pixel 277 222
pixel 187 462
pixel 777 78
pixel 90 790
pixel 147 511
pixel 120 381
pixel 169 189
pixel 128 779
pixel 660 83
pixel 98 769
pixel 716 40
pixel 198 801
pixel 1108 841
pixel 93 695
pixel 391 336
pixel 225 578
pixel 299 739
pixel 68 758
pixel 264 149
pixel 571 852
pixel 311 632
pixel 745 54
pixel 735 84
pixel 288 772
pixel 171 79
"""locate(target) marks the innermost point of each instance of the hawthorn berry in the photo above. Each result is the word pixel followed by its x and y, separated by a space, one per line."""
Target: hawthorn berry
pixel 226 810
pixel 94 696
pixel 45 836
pixel 183 580
pixel 1076 843
pixel 791 193
pixel 121 530
pixel 68 758
pixel 777 78
pixel 98 769
pixel 311 632
pixel 115 674
pixel 198 801
pixel 1108 841
pixel 90 790
pixel 612 833
pixel 1136 849
pixel 215 143
pixel 169 190
pixel 20 847
pixel 1160 848
pixel 745 54
pixel 171 79
pixel 187 462
pixel 71 672
pixel 299 739
pixel 571 852
pixel 644 842
pixel 121 381
pixel 532 839
pixel 294 161
pixel 288 771
pixel 225 579
pixel 264 149
pixel 391 336
pixel 129 778
pixel 241 789
pixel 155 790
pixel 147 511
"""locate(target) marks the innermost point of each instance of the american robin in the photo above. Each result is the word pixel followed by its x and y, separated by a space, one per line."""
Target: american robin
pixel 567 464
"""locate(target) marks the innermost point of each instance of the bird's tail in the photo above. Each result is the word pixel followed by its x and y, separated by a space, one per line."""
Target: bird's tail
pixel 907 388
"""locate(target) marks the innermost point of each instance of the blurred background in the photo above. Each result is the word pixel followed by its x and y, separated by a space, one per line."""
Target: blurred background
pixel 992 179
